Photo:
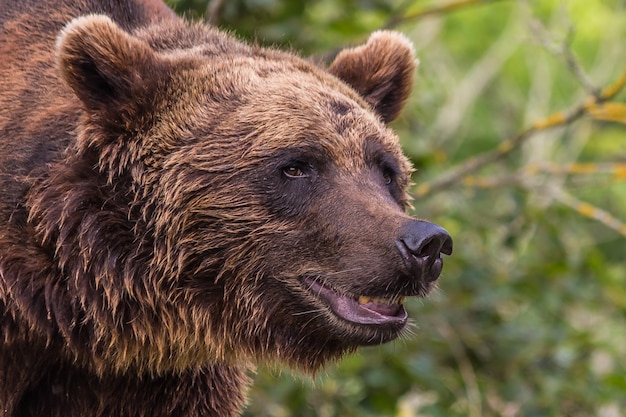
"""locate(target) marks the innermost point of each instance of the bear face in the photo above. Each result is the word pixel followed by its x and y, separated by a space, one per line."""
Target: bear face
pixel 226 203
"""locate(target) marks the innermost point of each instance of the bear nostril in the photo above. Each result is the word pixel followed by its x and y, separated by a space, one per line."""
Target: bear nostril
pixel 421 246
pixel 429 249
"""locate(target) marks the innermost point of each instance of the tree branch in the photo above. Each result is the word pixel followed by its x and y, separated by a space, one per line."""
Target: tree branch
pixel 456 175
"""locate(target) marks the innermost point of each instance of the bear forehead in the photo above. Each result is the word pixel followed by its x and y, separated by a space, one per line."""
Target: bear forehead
pixel 293 104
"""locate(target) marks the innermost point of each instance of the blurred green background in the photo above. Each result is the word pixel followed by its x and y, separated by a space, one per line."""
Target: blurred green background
pixel 530 316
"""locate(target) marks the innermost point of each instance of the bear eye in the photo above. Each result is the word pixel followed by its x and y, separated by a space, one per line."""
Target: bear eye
pixel 294 172
pixel 388 176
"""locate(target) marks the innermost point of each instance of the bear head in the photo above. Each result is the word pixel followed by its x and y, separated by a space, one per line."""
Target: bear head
pixel 225 202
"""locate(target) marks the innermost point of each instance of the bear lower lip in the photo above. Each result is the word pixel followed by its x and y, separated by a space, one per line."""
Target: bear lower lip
pixel 364 311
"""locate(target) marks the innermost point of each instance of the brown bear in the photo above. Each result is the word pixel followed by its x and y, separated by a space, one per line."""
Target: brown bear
pixel 177 206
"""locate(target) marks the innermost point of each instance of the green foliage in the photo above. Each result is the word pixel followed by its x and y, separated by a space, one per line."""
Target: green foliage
pixel 530 317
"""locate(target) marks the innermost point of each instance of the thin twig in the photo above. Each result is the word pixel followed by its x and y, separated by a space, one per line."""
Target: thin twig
pixel 437 10
pixel 472 390
pixel 213 12
pixel 564 49
pixel 473 84
pixel 592 212
pixel 398 17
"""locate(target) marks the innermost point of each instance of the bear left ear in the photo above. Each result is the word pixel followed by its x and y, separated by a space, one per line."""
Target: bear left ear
pixel 381 71
pixel 106 67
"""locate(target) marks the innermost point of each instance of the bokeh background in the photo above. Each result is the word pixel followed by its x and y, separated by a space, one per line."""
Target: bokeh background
pixel 517 126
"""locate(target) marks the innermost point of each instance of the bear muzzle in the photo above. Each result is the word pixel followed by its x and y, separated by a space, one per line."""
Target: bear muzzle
pixel 421 245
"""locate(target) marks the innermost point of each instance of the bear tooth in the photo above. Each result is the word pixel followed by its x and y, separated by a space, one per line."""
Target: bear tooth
pixel 364 299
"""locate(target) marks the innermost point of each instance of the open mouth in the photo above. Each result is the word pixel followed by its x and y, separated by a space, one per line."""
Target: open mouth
pixel 361 309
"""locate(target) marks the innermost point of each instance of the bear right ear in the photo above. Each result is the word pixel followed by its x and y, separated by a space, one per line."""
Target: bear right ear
pixel 381 71
pixel 107 68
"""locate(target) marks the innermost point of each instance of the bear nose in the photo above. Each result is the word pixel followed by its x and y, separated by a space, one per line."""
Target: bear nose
pixel 421 245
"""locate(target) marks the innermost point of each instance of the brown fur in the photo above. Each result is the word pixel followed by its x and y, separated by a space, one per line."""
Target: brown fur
pixel 156 237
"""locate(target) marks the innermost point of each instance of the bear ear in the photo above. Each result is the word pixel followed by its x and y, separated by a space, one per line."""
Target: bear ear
pixel 107 68
pixel 381 71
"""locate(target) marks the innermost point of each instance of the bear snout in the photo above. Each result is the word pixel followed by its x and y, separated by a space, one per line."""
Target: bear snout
pixel 421 244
